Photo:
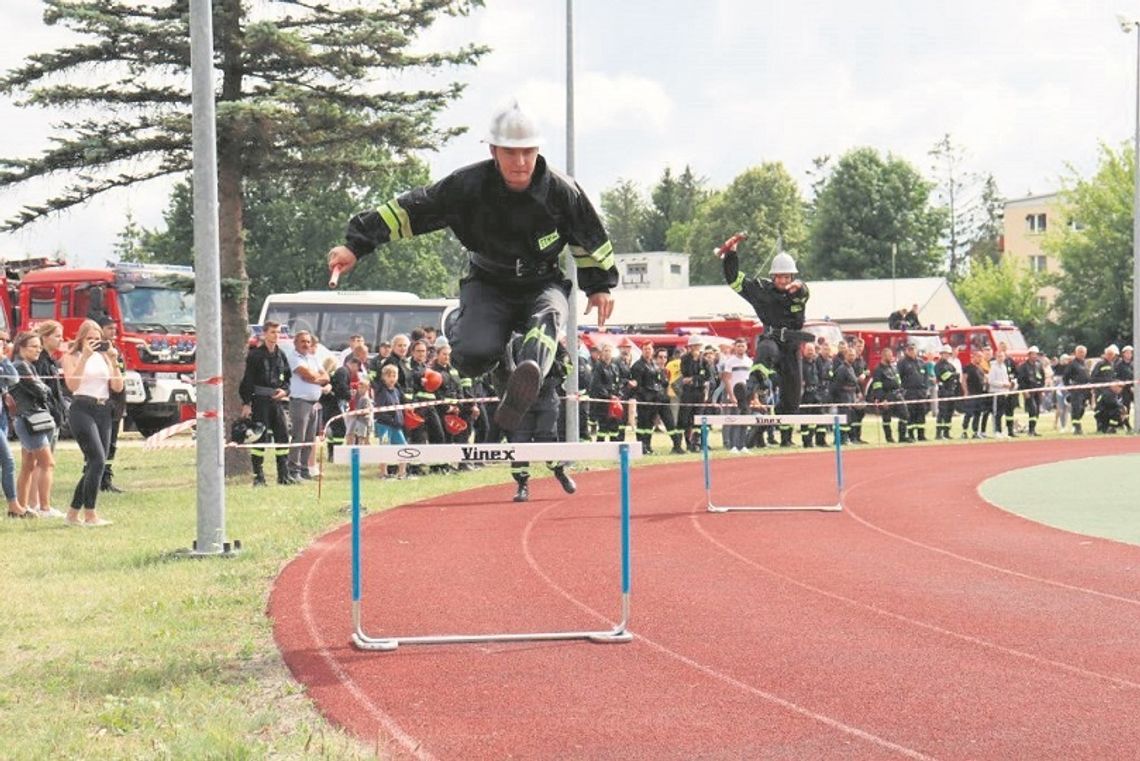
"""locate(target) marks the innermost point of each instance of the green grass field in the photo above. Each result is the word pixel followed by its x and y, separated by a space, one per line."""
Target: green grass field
pixel 116 648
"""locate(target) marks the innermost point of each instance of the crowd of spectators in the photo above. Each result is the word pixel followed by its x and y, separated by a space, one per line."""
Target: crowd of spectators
pixel 407 391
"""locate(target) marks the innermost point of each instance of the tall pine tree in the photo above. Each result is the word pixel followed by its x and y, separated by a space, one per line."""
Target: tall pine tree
pixel 300 95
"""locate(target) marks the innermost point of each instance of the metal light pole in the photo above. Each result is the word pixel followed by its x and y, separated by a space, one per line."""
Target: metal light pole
pixel 1129 25
pixel 572 432
pixel 211 535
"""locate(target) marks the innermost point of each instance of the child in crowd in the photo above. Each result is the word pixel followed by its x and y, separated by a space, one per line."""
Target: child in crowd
pixel 390 423
pixel 360 423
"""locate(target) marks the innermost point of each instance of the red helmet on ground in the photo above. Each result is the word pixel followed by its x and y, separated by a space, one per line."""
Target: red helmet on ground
pixel 432 380
pixel 616 411
pixel 412 420
pixel 454 424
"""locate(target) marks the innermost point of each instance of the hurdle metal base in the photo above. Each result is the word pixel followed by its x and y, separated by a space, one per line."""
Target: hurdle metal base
pixel 364 642
pixel 836 508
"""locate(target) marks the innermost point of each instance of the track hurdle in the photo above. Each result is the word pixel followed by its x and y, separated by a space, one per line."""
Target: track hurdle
pixel 835 420
pixel 452 453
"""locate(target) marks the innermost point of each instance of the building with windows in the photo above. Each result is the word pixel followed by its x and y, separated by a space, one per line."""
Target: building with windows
pixel 1026 222
pixel 653 269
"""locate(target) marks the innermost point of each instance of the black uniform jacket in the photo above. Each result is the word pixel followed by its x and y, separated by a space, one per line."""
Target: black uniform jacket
pixel 265 372
pixel 650 381
pixel 511 236
pixel 775 308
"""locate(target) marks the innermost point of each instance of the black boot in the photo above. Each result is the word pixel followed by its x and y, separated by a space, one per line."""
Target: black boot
pixel 107 484
pixel 522 390
pixel 903 437
pixel 284 477
pixel 786 437
pixel 523 493
pixel 820 437
pixel 258 473
pixel 567 482
pixel 887 433
pixel 806 439
pixel 1077 429
pixel 1009 430
pixel 922 434
pixel 857 433
pixel 677 448
pixel 1033 427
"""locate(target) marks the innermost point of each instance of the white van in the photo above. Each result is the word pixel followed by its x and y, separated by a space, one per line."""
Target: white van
pixel 334 316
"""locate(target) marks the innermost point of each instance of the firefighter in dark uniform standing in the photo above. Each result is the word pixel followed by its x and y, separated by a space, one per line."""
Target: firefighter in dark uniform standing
pixel 1077 374
pixel 844 390
pixel 886 393
pixel 779 303
pixel 1124 370
pixel 812 393
pixel 912 377
pixel 264 393
pixel 514 215
pixel 652 400
pixel 863 375
pixel 540 423
pixel 949 382
pixel 605 390
pixel 1030 376
pixel 695 378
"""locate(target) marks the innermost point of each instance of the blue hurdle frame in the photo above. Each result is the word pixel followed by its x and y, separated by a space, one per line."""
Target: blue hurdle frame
pixel 836 421
pixel 364 641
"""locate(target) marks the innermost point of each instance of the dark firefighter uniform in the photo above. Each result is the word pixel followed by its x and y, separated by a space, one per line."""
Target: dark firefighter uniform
pixel 974 378
pixel 912 377
pixel 265 372
pixel 886 393
pixel 1109 411
pixel 540 423
pixel 949 386
pixel 606 384
pixel 1077 374
pixel 824 369
pixel 855 414
pixel 812 394
pixel 652 402
pixel 779 311
pixel 1031 376
pixel 1124 375
pixel 1103 371
pixel 696 375
pixel 844 393
pixel 513 240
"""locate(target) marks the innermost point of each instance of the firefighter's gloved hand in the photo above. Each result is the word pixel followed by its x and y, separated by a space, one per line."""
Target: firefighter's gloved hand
pixel 729 246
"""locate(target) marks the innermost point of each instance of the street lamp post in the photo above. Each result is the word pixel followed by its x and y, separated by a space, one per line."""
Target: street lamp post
pixel 1128 25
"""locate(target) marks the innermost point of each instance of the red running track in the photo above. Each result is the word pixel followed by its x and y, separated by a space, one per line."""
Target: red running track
pixel 921 622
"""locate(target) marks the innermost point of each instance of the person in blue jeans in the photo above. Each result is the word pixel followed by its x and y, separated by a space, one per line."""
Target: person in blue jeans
pixel 9 378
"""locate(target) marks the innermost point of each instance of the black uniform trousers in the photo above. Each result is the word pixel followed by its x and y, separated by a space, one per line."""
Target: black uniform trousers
pixel 490 311
pixel 274 416
pixel 916 407
pixel 790 370
pixel 539 424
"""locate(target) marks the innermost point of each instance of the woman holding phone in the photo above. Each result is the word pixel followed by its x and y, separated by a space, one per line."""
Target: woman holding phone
pixel 91 372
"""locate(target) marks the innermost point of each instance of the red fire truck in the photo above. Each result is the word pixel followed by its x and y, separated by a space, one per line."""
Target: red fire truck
pixel 153 307
pixel 965 341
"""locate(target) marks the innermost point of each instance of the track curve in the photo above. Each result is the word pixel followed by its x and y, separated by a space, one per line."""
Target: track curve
pixel 922 622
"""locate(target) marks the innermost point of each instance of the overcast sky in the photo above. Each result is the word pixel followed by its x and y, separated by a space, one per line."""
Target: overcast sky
pixel 1027 88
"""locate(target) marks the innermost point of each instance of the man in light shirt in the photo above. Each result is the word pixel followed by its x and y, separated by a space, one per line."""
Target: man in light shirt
pixel 305 388
pixel 734 369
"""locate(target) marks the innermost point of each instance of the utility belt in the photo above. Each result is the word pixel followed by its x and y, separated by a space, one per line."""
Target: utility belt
pixel 788 335
pixel 522 269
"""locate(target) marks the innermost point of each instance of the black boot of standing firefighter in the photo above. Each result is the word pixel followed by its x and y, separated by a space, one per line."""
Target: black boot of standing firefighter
pixel 522 494
pixel 107 483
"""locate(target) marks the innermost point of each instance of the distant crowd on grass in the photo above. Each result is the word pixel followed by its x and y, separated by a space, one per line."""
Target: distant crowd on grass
pixel 408 391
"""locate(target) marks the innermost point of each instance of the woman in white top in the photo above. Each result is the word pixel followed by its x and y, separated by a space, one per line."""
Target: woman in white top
pixel 91 371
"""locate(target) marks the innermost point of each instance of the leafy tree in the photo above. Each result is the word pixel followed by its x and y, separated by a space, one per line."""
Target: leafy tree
pixel 985 236
pixel 1005 290
pixel 300 97
pixel 1095 302
pixel 957 189
pixel 624 211
pixel 867 206
pixel 675 202
pixel 128 243
pixel 765 202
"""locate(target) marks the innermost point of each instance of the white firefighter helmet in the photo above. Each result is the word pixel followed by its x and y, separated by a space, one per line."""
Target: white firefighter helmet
pixel 511 127
pixel 783 264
